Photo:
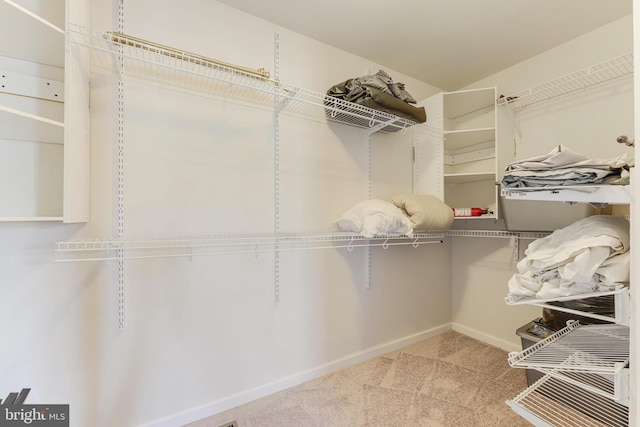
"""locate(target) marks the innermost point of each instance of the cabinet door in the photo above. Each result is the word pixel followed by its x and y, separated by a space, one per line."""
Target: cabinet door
pixel 427 152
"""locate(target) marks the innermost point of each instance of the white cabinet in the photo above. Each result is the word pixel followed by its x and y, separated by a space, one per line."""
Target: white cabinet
pixel 44 113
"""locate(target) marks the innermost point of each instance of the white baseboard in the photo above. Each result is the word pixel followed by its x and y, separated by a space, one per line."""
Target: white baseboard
pixel 486 338
pixel 247 396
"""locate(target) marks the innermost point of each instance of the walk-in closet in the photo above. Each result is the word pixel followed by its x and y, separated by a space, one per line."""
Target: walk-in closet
pixel 217 215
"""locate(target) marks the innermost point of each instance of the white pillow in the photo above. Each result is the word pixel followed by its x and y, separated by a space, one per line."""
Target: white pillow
pixel 374 218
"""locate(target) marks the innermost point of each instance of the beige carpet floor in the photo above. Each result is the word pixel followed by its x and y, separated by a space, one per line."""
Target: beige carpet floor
pixel 446 380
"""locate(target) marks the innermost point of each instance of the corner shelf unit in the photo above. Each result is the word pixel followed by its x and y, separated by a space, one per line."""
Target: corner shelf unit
pixel 469 123
pixel 612 69
pixel 190 71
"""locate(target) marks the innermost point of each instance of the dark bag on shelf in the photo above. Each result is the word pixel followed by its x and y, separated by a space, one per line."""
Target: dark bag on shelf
pixel 601 305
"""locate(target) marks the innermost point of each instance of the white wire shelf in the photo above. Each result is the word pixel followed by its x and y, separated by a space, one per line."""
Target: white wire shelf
pixel 497 234
pixel 595 194
pixel 592 357
pixel 186 246
pixel 594 75
pixel 107 249
pixel 620 297
pixel 554 403
pixel 150 61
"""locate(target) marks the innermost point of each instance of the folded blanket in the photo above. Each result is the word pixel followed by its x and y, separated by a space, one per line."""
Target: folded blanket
pixel 375 218
pixel 426 212
pixel 587 256
pixel 565 176
pixel 382 101
pixel 376 91
pixel 562 166
pixel 561 157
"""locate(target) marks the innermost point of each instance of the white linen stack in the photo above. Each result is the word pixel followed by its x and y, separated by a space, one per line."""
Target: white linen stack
pixel 561 166
pixel 589 255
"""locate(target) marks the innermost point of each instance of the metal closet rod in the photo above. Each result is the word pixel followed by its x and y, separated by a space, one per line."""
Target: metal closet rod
pixel 182 55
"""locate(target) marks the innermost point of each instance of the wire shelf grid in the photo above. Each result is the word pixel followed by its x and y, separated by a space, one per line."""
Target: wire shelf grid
pixel 228 244
pixel 559 404
pixel 139 58
pixel 620 297
pixel 603 72
pixel 582 348
pixel 498 234
pixel 263 242
pixel 591 357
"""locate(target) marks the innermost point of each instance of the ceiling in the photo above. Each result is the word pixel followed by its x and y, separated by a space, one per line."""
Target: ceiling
pixel 446 43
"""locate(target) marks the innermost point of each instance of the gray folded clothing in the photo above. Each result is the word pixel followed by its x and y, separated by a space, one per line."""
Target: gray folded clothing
pixel 378 92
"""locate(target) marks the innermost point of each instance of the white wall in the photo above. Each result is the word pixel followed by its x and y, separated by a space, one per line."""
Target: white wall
pixel 587 122
pixel 204 334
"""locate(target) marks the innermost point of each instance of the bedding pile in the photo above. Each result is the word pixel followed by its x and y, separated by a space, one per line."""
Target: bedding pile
pixel 562 166
pixel 403 215
pixel 589 255
pixel 377 91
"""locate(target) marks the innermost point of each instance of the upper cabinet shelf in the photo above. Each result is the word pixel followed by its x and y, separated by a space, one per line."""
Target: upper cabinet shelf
pixel 151 61
pixel 594 75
